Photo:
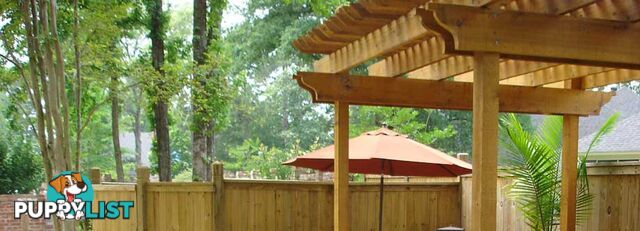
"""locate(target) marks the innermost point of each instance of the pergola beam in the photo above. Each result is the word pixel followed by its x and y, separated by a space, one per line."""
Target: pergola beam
pixel 401 32
pixel 402 92
pixel 536 37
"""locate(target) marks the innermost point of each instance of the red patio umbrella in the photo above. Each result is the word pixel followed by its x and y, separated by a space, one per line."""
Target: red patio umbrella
pixel 386 152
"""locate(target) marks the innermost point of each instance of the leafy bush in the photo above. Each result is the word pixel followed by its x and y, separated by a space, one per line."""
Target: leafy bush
pixel 20 167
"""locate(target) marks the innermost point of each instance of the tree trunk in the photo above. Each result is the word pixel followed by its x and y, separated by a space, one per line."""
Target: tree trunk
pixel 137 130
pixel 199 128
pixel 35 88
pixel 78 99
pixel 213 34
pixel 115 128
pixel 48 91
pixel 160 110
pixel 159 105
pixel 52 100
pixel 211 152
pixel 206 30
pixel 64 129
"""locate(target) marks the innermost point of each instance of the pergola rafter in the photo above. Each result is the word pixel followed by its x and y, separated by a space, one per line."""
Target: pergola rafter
pixel 468 54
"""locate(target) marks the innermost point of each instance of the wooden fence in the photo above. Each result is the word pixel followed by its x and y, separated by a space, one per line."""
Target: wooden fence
pixel 277 205
pixel 285 205
pixel 114 192
pixel 616 205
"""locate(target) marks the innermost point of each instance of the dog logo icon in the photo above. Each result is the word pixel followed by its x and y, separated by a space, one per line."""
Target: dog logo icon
pixel 69 185
pixel 70 190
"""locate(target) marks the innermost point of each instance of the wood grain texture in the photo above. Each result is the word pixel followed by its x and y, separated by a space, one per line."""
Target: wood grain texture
pixel 518 35
pixel 401 92
pixel 341 206
pixel 282 205
pixel 570 136
pixel 485 140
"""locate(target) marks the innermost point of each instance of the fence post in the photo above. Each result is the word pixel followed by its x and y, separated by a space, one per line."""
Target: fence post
pixel 94 176
pixel 217 171
pixel 142 174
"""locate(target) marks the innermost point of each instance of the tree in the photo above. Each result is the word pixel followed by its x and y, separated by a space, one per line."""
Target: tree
pixel 78 90
pixel 134 108
pixel 419 124
pixel 158 93
pixel 115 128
pixel 533 161
pixel 209 98
pixel 46 82
pixel 20 165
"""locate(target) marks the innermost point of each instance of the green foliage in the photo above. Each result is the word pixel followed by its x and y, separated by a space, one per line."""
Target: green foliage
pixel 179 137
pixel 253 155
pixel 211 89
pixel 533 160
pixel 271 110
pixel 416 123
pixel 267 104
pixel 20 165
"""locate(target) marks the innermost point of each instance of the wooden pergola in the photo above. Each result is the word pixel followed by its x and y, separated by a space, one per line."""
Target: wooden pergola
pixel 488 56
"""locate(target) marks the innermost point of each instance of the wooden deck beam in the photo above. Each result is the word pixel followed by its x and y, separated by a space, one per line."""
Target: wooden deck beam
pixel 402 92
pixel 536 37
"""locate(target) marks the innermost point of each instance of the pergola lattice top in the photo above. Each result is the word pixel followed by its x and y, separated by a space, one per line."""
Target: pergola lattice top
pixel 541 42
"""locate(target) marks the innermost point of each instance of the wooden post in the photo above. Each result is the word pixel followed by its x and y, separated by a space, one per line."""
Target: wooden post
pixel 142 174
pixel 485 141
pixel 217 171
pixel 569 166
pixel 94 176
pixel 341 167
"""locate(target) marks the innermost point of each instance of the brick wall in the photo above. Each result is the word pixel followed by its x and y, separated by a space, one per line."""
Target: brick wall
pixel 7 222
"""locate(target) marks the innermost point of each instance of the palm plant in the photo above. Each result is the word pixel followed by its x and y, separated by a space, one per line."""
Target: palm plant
pixel 532 159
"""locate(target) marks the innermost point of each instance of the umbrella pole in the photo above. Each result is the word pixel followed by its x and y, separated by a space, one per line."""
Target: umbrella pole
pixel 381 197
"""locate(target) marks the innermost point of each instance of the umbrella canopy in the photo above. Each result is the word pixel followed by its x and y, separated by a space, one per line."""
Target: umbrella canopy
pixel 387 152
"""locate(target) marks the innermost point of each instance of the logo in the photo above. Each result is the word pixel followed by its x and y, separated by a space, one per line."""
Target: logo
pixel 70 196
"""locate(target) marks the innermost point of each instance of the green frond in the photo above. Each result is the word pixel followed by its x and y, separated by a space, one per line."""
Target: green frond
pixel 550 131
pixel 533 161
